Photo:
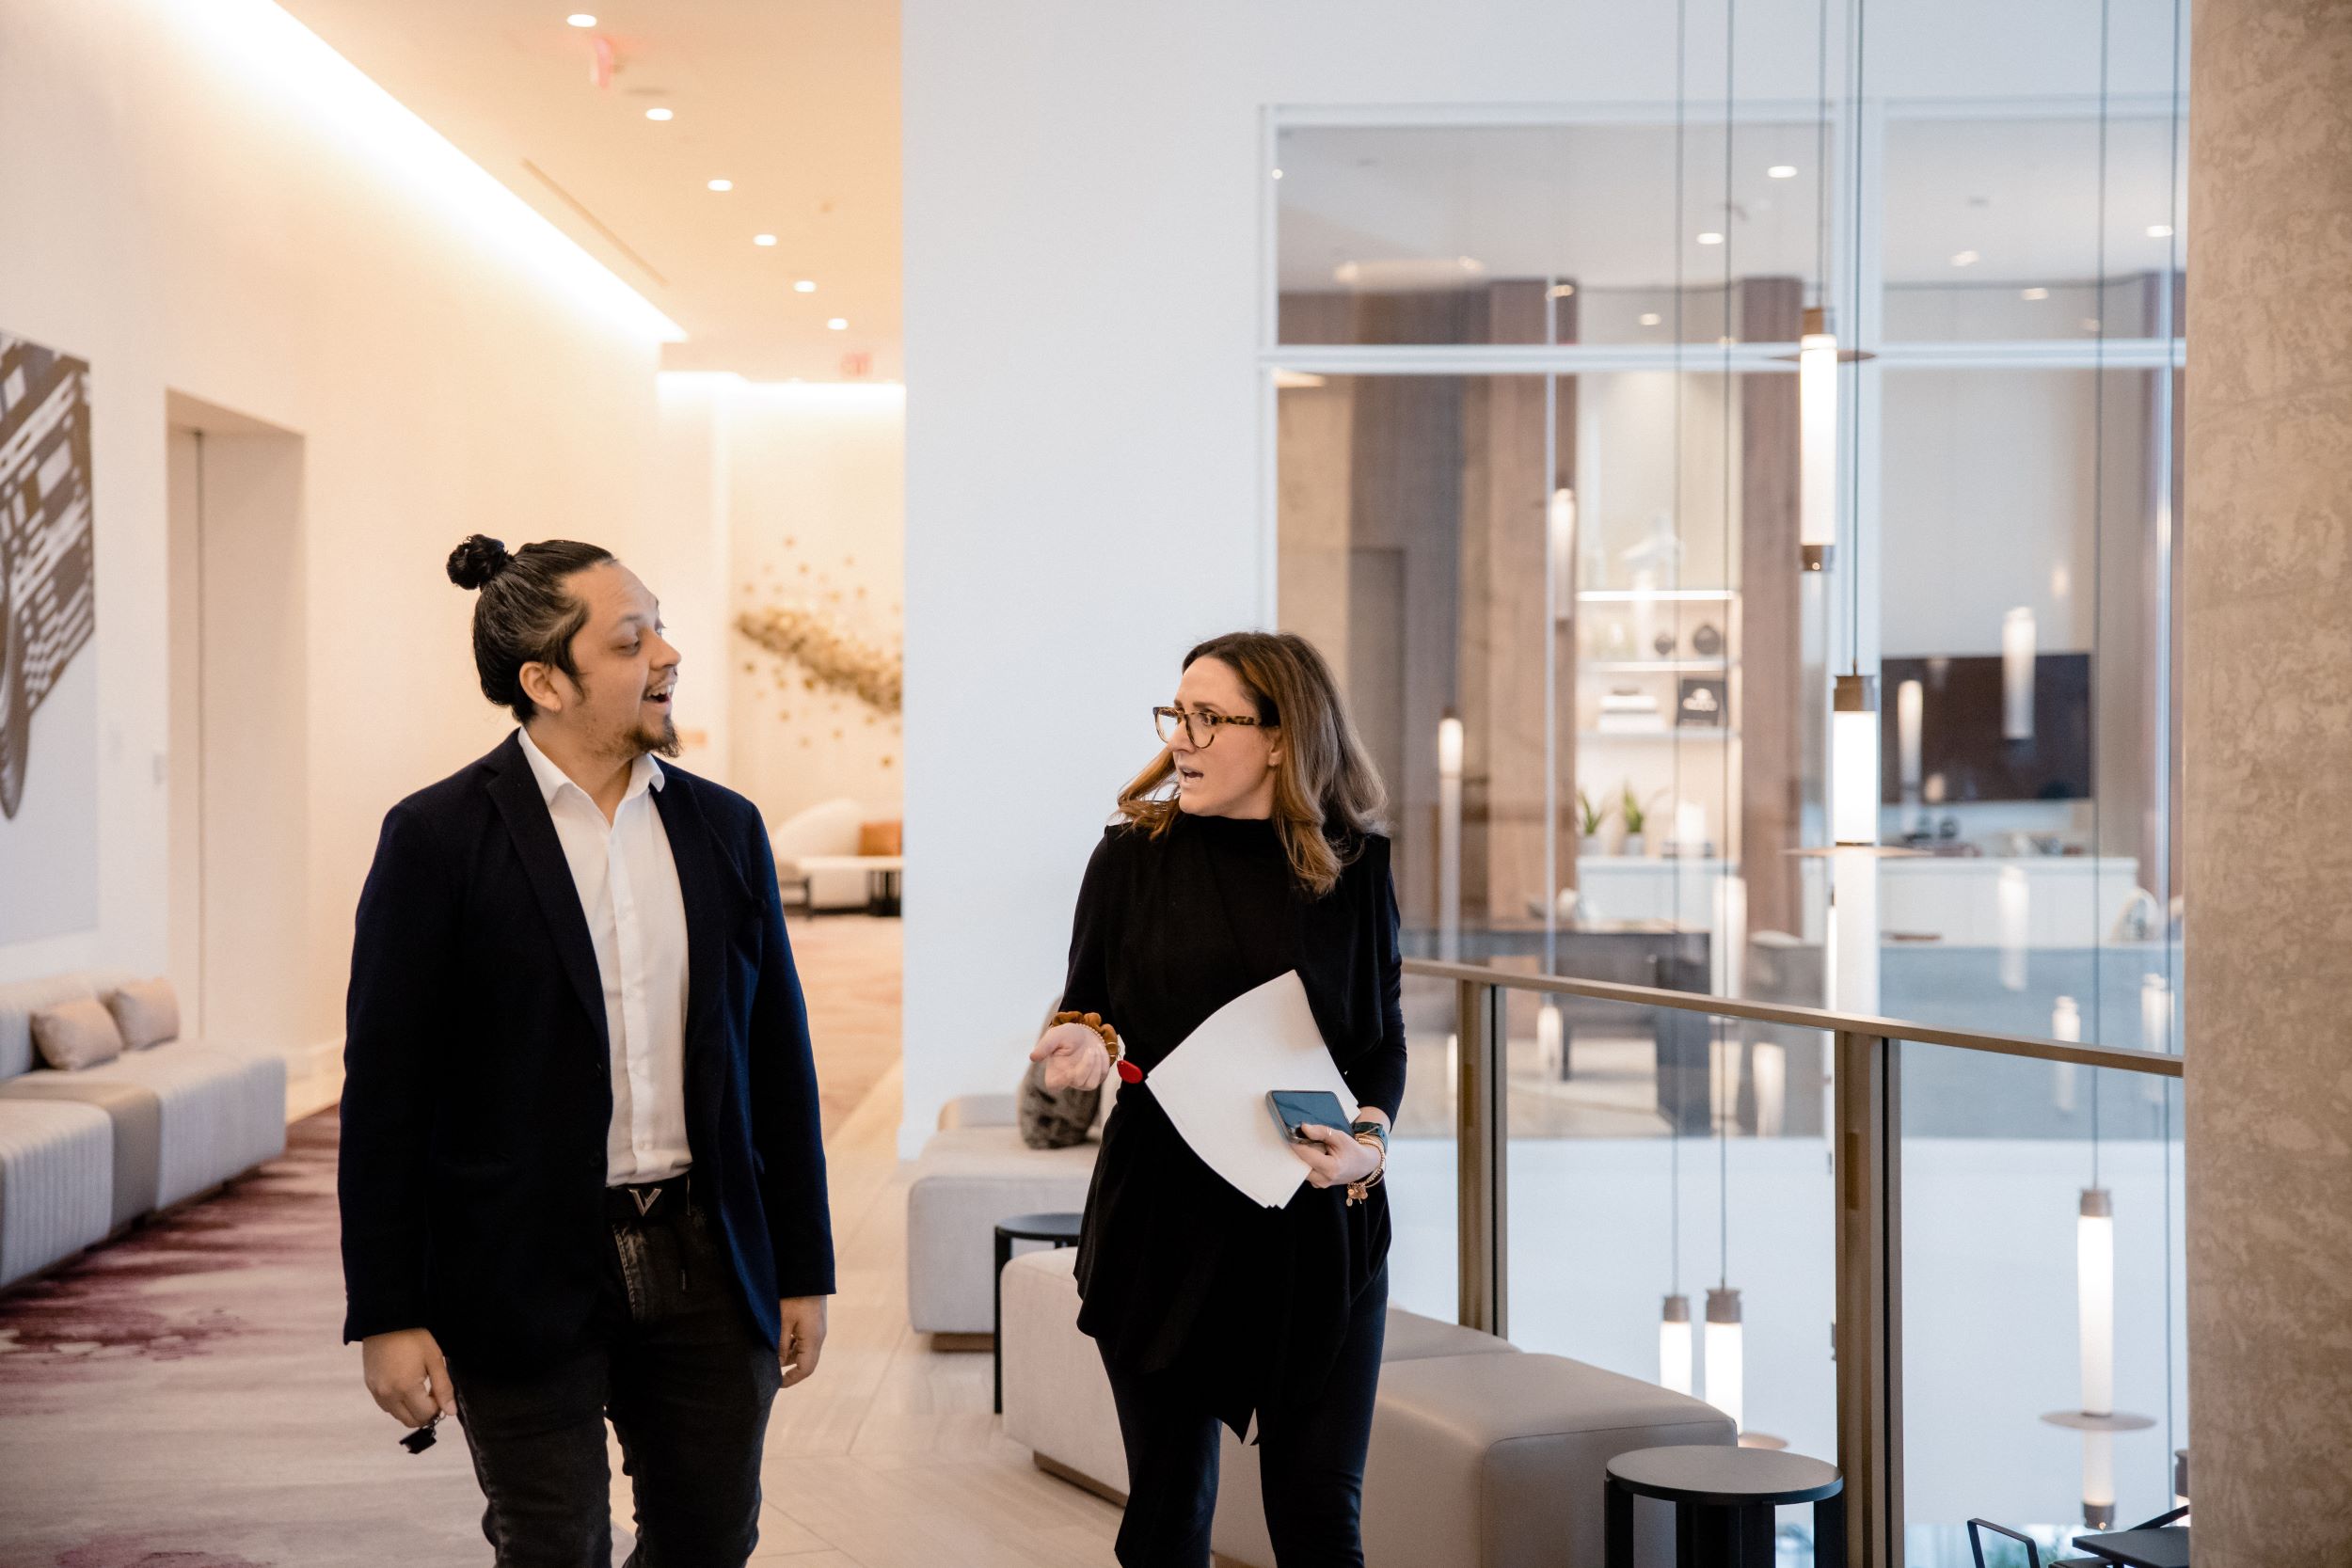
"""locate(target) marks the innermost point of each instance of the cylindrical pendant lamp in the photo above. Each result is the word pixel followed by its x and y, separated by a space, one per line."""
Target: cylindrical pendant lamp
pixel 1816 437
pixel 1854 760
pixel 1673 1345
pixel 2017 656
pixel 2094 1283
pixel 2013 894
pixel 1449 838
pixel 1725 1370
pixel 2066 1024
pixel 1911 699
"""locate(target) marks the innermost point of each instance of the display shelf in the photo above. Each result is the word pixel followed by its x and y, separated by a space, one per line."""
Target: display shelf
pixel 1699 732
pixel 1653 666
pixel 1656 595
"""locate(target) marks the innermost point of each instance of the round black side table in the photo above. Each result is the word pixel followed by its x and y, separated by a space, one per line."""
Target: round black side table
pixel 1724 1499
pixel 1059 1229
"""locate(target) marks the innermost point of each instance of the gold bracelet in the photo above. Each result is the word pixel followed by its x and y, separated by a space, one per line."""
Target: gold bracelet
pixel 1358 1192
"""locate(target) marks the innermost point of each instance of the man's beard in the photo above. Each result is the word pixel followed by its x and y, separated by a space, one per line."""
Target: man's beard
pixel 661 742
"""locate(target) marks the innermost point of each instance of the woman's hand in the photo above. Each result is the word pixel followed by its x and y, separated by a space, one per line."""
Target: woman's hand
pixel 1335 1158
pixel 1074 1056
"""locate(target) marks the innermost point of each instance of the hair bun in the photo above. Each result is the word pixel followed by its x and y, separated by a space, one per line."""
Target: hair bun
pixel 477 560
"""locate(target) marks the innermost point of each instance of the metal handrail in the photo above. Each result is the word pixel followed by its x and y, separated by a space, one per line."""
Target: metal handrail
pixel 2121 1058
pixel 1866 1146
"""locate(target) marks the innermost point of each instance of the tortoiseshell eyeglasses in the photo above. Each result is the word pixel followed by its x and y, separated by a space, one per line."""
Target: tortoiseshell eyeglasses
pixel 1200 728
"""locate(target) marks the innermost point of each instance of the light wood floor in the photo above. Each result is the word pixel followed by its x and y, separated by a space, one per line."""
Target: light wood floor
pixel 889 1457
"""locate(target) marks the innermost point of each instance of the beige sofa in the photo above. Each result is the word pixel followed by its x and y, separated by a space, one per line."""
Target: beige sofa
pixel 84 1153
pixel 1482 1456
pixel 825 830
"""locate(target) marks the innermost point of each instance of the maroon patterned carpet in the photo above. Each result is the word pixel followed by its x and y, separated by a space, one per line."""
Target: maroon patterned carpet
pixel 180 1400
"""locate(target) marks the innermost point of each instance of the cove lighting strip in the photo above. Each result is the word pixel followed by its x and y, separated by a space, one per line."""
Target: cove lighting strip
pixel 286 65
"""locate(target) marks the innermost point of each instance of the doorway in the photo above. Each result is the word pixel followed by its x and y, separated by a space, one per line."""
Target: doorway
pixel 239 732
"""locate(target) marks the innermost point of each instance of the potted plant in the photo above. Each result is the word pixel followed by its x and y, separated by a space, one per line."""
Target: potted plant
pixel 1590 820
pixel 1635 812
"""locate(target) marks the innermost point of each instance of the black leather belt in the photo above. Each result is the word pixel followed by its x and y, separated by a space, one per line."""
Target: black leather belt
pixel 640 1203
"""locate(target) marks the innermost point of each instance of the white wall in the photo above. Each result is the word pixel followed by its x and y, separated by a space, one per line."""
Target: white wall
pixel 204 201
pixel 786 495
pixel 1084 463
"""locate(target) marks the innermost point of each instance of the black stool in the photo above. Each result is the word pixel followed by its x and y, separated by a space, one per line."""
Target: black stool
pixel 1062 1231
pixel 1724 1499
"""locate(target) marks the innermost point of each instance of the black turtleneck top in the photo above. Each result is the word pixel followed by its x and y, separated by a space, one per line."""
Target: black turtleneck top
pixel 1177 1268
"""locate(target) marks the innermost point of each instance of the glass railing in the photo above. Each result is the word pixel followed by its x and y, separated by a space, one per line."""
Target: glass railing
pixel 2045 1368
pixel 1876 1242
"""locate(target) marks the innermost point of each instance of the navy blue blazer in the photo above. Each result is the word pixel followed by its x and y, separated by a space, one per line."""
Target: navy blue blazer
pixel 477 1093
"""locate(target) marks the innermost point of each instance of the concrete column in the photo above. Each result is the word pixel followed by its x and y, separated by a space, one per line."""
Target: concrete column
pixel 2268 608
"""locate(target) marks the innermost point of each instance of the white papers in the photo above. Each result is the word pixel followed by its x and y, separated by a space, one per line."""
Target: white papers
pixel 1214 1087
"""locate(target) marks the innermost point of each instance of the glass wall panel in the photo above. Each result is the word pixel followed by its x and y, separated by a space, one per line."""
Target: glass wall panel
pixel 2044 1362
pixel 1525 234
pixel 1423 1253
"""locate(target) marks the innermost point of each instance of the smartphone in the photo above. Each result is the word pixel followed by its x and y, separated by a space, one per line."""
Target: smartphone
pixel 1296 1108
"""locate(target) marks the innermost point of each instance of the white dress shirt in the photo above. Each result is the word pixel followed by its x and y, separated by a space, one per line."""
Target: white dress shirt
pixel 629 890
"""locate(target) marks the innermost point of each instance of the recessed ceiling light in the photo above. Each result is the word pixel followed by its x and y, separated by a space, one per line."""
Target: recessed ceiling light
pixel 1277 173
pixel 839 324
pixel 805 286
pixel 721 185
pixel 1966 258
pixel 2159 231
pixel 1649 318
pixel 1563 291
pixel 656 114
pixel 580 19
pixel 763 239
pixel 2033 293
pixel 1782 171
pixel 1710 237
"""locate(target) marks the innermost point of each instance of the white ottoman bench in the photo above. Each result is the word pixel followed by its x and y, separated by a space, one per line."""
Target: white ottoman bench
pixel 973 1172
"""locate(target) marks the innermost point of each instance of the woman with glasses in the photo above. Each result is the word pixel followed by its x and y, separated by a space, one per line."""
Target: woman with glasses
pixel 1245 851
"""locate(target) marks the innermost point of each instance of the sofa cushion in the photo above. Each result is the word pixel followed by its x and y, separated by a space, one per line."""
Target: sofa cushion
pixel 71 1036
pixel 147 1012
pixel 18 1001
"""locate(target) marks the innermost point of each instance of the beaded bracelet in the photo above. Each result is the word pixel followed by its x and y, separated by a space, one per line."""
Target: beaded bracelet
pixel 1111 1041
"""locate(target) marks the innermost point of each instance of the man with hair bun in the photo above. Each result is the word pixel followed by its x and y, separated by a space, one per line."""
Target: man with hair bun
pixel 581 1171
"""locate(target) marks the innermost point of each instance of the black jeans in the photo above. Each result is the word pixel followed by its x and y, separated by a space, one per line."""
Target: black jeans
pixel 687 1381
pixel 1311 1466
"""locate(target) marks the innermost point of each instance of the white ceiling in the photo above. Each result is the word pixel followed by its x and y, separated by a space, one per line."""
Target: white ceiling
pixel 794 101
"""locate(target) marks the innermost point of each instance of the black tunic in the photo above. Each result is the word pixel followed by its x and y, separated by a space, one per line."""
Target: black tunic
pixel 1177 1268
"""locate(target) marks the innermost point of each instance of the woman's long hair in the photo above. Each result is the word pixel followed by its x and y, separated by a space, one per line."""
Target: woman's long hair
pixel 1327 794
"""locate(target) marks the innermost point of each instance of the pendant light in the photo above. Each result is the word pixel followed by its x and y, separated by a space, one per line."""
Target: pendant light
pixel 2017 666
pixel 2066 1024
pixel 1449 838
pixel 1727 1366
pixel 1816 428
pixel 1673 1345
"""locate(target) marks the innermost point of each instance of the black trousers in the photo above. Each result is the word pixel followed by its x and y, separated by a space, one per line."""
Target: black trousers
pixel 1310 1465
pixel 687 1382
